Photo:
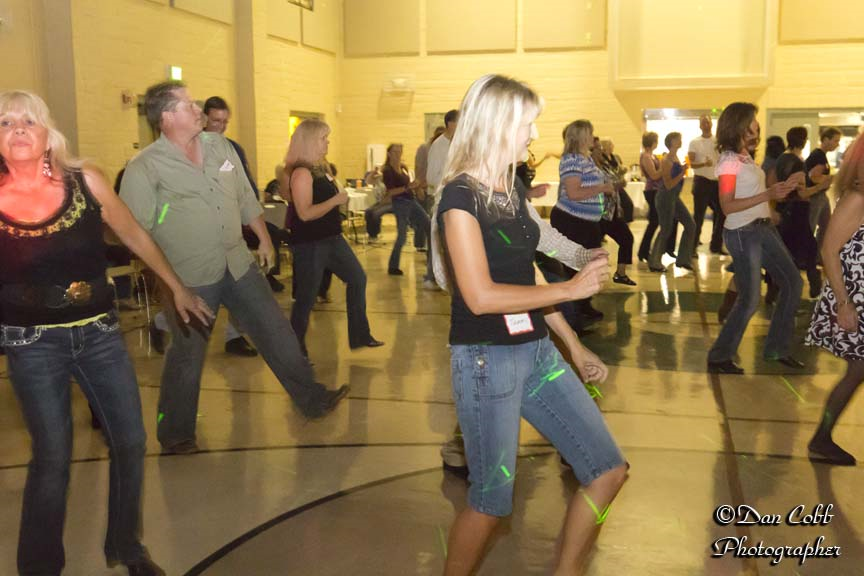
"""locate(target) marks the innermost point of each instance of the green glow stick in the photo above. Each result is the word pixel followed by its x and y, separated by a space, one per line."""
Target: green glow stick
pixel 601 516
pixel 163 213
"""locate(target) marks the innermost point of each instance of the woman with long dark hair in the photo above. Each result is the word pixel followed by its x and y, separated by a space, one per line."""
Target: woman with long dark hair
pixel 753 241
pixel 407 210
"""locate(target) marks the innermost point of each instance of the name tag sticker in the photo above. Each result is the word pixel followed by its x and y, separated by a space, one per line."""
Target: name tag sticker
pixel 518 323
pixel 226 167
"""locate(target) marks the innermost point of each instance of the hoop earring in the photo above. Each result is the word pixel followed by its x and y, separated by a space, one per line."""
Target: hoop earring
pixel 46 165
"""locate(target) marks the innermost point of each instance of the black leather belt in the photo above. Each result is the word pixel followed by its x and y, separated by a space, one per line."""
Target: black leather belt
pixel 78 293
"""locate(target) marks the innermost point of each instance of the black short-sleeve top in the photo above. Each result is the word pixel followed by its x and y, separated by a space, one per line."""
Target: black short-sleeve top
pixel 49 256
pixel 510 239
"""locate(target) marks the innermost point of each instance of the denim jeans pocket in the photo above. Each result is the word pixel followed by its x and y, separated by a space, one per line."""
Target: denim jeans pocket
pixel 494 374
pixel 20 335
pixel 108 323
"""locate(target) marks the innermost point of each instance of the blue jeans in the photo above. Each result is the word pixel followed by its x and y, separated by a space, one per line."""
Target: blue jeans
pixel 409 212
pixel 671 209
pixel 495 386
pixel 373 216
pixel 41 363
pixel 755 246
pixel 251 302
pixel 310 261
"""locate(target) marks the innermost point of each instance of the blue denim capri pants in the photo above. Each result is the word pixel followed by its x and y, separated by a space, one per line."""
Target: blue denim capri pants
pixel 496 385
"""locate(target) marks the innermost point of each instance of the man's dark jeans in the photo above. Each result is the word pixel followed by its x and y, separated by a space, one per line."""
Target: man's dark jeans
pixel 251 302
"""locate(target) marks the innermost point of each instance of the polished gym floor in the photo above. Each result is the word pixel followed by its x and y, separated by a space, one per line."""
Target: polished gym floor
pixel 362 492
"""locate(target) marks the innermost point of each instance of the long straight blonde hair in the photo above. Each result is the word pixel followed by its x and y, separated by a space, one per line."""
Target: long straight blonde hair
pixel 33 106
pixel 302 150
pixel 484 145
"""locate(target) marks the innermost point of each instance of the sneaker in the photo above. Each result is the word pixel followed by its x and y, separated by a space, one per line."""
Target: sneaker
pixel 430 285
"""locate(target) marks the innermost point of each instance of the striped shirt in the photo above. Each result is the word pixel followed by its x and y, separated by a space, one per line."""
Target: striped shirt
pixel 571 165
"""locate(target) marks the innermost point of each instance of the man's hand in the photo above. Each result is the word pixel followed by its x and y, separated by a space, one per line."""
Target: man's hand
pixel 266 256
pixel 189 304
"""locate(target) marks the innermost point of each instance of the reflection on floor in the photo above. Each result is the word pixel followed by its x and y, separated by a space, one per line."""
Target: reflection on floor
pixel 362 492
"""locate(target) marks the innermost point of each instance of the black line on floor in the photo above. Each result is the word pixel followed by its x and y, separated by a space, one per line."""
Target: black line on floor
pixel 251 534
pixel 219 554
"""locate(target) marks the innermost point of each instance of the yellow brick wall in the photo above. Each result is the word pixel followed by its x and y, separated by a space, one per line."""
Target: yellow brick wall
pixel 21 46
pixel 575 85
pixel 128 45
pixel 293 78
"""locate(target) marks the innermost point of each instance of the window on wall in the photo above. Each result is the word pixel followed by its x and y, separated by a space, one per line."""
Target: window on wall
pixel 296 118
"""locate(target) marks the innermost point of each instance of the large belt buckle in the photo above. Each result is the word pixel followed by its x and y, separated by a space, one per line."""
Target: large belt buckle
pixel 78 293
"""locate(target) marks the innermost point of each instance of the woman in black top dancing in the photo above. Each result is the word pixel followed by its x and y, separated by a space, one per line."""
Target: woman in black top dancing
pixel 59 322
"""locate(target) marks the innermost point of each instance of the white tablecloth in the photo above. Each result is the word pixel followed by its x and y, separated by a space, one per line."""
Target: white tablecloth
pixel 359 198
pixel 636 191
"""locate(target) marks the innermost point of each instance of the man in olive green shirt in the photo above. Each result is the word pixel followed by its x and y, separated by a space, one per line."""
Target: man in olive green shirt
pixel 190 191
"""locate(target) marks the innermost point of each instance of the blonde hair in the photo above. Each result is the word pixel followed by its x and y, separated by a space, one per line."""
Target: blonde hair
pixel 34 107
pixel 302 152
pixel 847 177
pixel 484 146
pixel 577 135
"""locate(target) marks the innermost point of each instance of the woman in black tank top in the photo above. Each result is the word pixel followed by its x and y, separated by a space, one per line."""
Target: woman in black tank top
pixel 317 235
pixel 59 322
